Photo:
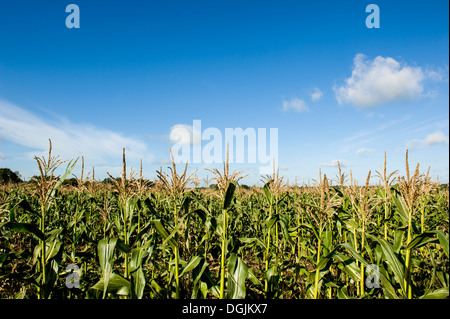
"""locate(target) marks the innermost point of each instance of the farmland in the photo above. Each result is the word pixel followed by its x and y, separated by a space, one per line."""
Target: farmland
pixel 386 238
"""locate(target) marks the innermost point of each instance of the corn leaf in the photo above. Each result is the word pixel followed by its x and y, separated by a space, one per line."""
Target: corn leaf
pixel 163 233
pixel 443 240
pixel 115 284
pixel 441 293
pixel 229 195
pixel 105 250
pixel 192 263
pixel 422 240
pixel 238 273
pixel 24 228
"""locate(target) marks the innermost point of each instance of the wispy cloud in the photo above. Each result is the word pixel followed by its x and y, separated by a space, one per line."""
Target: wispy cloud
pixel 334 163
pixel 316 95
pixel 439 74
pixel 380 81
pixel 363 137
pixel 438 123
pixel 163 137
pixel 364 151
pixel 161 162
pixel 184 134
pixel 2 156
pixel 69 140
pixel 430 139
pixel 295 105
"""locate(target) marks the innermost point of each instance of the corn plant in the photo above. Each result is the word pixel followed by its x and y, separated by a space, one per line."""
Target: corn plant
pixel 49 243
pixel 174 239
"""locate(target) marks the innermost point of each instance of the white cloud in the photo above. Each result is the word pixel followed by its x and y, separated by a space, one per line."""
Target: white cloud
pixel 436 138
pixel 364 151
pixel 162 162
pixel 379 81
pixel 316 95
pixel 69 140
pixel 334 163
pixel 185 135
pixel 438 75
pixel 430 139
pixel 159 137
pixel 2 156
pixel 295 105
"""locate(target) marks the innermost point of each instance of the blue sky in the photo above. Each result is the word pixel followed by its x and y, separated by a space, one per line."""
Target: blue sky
pixel 335 89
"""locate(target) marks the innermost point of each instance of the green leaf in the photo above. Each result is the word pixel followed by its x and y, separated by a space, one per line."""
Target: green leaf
pixel 238 273
pixel 443 240
pixel 201 214
pixel 342 293
pixel 105 250
pixel 351 225
pixel 398 239
pixel 441 293
pixel 163 232
pixel 115 284
pixel 267 193
pixel 130 206
pixel 27 207
pixel 354 253
pixel 198 284
pixel 52 275
pixel 402 208
pixel 272 220
pixel 143 231
pixel 70 167
pixel 191 264
pixel 310 226
pixel 24 228
pixel 3 258
pixel 284 223
pixel 381 192
pixel 349 266
pixel 123 247
pixel 51 249
pixel 185 206
pixel 137 283
pixel 385 282
pixel 394 263
pixel 212 286
pixel 253 240
pixel 149 205
pixel 252 277
pixel 323 261
pixel 327 239
pixel 422 240
pixel 229 195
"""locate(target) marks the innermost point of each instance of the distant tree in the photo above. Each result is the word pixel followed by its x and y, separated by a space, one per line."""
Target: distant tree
pixel 109 180
pixel 214 186
pixel 71 181
pixel 32 178
pixel 35 178
pixel 148 182
pixel 244 186
pixel 8 176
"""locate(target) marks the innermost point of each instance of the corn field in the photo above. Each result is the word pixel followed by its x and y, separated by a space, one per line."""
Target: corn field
pixel 384 239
